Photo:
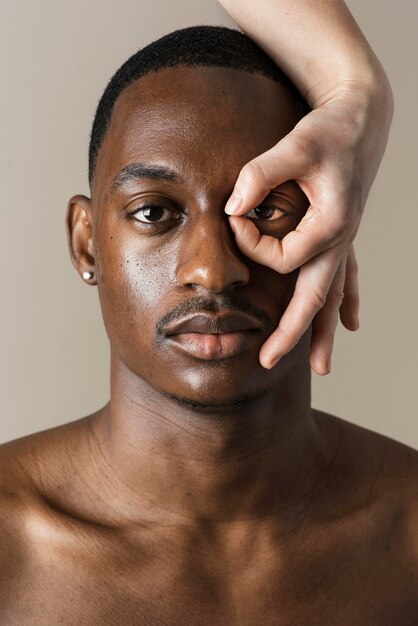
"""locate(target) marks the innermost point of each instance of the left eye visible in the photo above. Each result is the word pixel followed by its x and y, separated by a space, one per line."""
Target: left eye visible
pixel 155 214
pixel 152 214
pixel 267 213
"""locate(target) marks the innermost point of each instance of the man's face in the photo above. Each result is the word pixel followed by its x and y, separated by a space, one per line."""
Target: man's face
pixel 191 130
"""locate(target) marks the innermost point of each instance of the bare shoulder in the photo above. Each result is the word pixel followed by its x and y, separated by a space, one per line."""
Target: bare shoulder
pixel 27 461
pixel 395 475
pixel 26 466
pixel 398 461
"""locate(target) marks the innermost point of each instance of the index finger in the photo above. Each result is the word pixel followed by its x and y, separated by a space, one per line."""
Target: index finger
pixel 316 232
pixel 287 160
pixel 311 289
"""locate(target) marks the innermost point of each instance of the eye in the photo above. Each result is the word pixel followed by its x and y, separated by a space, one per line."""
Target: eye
pixel 267 213
pixel 151 214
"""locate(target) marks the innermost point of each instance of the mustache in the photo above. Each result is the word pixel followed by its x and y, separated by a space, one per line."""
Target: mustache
pixel 223 303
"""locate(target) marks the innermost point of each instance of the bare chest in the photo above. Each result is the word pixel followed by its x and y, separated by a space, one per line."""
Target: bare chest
pixel 162 584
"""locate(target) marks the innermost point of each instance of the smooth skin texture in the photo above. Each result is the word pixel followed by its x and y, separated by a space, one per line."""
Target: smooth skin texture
pixel 333 154
pixel 206 491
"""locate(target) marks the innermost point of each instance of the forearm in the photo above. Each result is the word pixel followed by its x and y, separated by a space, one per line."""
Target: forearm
pixel 317 43
pixel 333 153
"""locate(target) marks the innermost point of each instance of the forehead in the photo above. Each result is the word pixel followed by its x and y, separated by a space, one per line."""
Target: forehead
pixel 188 117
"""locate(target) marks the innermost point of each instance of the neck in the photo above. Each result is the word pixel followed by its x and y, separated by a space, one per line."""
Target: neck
pixel 170 462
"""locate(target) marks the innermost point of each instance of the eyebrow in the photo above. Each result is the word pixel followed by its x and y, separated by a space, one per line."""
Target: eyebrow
pixel 136 171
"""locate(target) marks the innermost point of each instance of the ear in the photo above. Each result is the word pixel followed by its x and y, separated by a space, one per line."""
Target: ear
pixel 78 224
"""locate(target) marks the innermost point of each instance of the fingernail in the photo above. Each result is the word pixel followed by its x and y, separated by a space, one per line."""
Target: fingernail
pixel 273 363
pixel 233 225
pixel 233 205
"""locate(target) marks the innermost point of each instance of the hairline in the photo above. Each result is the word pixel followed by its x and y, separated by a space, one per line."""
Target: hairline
pixel 258 72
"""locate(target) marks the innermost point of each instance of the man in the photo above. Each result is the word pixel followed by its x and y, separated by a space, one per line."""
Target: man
pixel 207 491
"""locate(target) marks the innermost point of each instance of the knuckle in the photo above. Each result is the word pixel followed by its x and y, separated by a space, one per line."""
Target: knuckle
pixel 316 299
pixel 335 297
pixel 288 336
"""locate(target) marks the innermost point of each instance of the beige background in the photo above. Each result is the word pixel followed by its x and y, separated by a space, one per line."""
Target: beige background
pixel 56 58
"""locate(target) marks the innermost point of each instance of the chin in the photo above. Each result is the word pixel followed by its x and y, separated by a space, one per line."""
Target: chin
pixel 230 383
pixel 218 388
pixel 235 403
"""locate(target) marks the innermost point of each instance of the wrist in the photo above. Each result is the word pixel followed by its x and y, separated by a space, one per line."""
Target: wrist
pixel 367 85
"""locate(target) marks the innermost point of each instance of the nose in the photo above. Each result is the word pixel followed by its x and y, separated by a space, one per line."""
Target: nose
pixel 210 258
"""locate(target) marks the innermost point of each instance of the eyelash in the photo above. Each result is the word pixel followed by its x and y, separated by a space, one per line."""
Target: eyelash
pixel 131 214
pixel 269 206
pixel 143 208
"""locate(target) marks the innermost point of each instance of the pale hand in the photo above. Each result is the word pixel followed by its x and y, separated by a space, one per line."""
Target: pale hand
pixel 333 154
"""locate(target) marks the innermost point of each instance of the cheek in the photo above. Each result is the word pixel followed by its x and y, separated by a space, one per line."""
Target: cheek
pixel 131 285
pixel 274 290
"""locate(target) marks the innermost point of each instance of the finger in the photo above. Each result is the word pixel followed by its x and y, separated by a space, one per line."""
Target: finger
pixel 350 306
pixel 312 286
pixel 325 323
pixel 287 160
pixel 263 249
pixel 316 232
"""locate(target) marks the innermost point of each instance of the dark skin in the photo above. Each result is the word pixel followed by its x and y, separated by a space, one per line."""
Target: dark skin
pixel 207 491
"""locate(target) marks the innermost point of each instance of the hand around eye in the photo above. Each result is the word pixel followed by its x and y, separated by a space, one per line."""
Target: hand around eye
pixel 333 154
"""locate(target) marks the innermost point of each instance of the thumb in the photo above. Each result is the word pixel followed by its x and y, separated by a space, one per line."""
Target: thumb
pixel 263 249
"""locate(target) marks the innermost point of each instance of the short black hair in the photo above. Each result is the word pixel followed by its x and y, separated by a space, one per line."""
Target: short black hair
pixel 206 46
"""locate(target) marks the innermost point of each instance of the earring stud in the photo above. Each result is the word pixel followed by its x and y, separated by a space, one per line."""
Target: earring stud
pixel 87 275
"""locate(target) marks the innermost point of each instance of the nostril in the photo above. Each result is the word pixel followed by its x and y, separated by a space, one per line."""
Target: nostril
pixel 211 262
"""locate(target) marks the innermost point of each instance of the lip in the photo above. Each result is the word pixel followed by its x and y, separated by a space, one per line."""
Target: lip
pixel 214 324
pixel 214 346
pixel 210 337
